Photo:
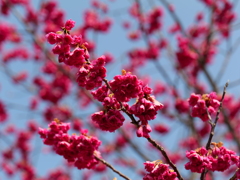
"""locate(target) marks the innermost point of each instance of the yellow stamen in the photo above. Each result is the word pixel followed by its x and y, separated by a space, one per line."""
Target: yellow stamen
pixel 57 120
pixel 124 72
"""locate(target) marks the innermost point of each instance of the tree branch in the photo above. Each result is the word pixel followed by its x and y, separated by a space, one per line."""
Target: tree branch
pixel 111 167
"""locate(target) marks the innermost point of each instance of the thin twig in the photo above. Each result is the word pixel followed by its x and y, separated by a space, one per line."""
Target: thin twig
pixel 146 39
pixel 134 146
pixel 213 125
pixel 164 73
pixel 216 119
pixel 164 153
pixel 111 167
pixel 235 175
pixel 122 107
pixel 168 79
pixel 149 139
pixel 9 73
pixel 174 16
pixel 226 60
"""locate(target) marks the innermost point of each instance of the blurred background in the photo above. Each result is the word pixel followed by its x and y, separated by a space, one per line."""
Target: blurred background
pixel 25 53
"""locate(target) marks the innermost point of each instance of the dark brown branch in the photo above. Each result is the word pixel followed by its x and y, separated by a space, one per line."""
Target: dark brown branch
pixel 133 122
pixel 134 146
pixel 213 125
pixel 160 148
pixel 112 168
pixel 235 175
pixel 225 63
pixel 145 36
pixel 122 107
pixel 149 139
pixel 205 71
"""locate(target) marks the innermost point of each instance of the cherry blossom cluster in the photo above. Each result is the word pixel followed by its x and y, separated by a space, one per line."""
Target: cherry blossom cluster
pixel 203 106
pixel 78 149
pixel 8 33
pixel 55 90
pixel 109 121
pixel 185 56
pixel 116 94
pixel 90 75
pixel 153 20
pixel 223 15
pixel 123 97
pixel 149 23
pixel 92 21
pixel 52 16
pixel 123 88
pixel 139 56
pixel 5 5
pixel 194 49
pixel 64 41
pixel 16 158
pixel 217 158
pixel 126 86
pixel 145 109
pixel 158 170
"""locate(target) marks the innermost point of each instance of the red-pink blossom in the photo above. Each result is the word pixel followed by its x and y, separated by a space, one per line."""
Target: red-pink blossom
pixel 126 86
pixel 203 106
pixel 146 109
pixel 161 128
pixel 198 160
pixel 55 90
pixel 69 24
pixel 79 149
pixel 92 75
pixel 158 170
pixel 217 158
pixel 153 20
pixel 108 121
pixel 222 158
pixel 92 21
pixel 182 106
pixel 144 130
pixel 101 93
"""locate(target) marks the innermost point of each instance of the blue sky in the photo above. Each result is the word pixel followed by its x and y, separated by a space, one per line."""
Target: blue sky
pixel 116 43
